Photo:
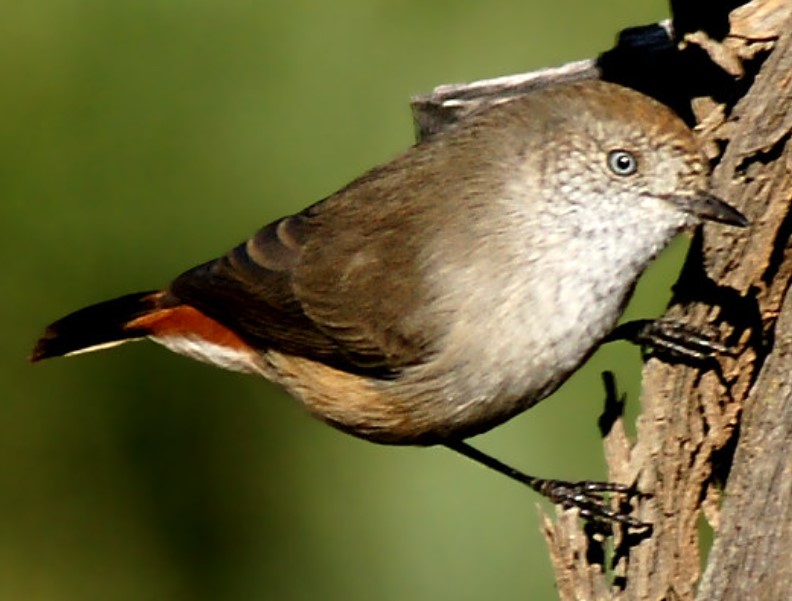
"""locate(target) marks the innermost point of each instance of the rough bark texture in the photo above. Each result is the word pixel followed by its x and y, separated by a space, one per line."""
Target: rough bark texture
pixel 714 441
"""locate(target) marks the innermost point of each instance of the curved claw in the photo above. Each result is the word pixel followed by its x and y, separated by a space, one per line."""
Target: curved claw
pixel 673 338
pixel 589 498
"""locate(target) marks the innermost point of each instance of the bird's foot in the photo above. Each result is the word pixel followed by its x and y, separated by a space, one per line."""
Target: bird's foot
pixel 672 339
pixel 591 499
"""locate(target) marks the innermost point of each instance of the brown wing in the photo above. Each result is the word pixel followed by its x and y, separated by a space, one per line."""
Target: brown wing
pixel 249 290
pixel 331 284
pixel 361 276
pixel 343 282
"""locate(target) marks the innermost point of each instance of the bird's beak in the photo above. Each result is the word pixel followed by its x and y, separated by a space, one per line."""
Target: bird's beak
pixel 709 207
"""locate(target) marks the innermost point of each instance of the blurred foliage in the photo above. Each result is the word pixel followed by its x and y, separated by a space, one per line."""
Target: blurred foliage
pixel 140 137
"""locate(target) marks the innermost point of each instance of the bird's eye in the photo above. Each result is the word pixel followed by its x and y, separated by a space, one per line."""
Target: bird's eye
pixel 622 162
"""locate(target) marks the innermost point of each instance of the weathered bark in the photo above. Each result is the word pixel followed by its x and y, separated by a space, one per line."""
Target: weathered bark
pixel 727 67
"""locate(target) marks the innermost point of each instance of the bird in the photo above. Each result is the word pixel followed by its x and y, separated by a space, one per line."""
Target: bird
pixel 446 291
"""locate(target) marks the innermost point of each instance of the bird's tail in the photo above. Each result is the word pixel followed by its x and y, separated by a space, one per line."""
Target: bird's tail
pixel 99 326
pixel 156 315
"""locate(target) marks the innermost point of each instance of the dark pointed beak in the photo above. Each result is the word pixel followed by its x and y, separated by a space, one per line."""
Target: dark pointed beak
pixel 709 207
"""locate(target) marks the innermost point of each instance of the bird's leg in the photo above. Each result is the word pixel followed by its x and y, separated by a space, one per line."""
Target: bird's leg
pixel 588 497
pixel 671 338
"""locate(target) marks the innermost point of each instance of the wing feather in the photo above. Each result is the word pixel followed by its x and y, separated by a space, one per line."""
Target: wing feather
pixel 329 284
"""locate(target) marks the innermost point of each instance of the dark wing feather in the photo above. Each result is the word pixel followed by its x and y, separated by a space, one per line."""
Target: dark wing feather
pixel 342 281
pixel 249 290
pixel 254 290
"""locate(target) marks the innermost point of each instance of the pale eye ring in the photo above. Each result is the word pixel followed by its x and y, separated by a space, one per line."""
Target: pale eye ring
pixel 622 162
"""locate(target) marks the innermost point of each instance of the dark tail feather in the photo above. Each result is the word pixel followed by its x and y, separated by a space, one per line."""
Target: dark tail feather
pixel 97 326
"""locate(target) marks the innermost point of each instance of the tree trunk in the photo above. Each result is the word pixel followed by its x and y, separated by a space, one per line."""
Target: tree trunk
pixel 714 441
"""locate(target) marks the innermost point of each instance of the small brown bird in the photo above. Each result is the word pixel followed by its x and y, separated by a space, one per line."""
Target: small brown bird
pixel 445 292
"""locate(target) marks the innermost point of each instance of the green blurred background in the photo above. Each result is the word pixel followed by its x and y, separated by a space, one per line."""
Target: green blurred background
pixel 140 137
